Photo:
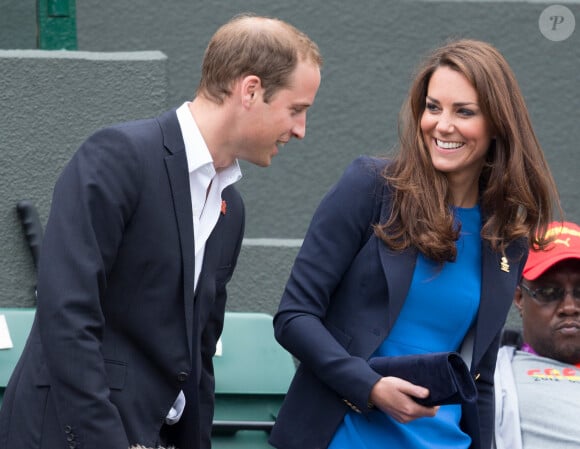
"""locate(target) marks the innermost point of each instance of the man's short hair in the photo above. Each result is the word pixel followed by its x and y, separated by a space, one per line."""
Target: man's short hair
pixel 268 48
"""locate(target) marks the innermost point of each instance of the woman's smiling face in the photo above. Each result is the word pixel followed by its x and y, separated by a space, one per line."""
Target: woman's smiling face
pixel 454 128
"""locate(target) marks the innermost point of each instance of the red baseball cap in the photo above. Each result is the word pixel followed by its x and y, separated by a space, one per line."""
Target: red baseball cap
pixel 565 246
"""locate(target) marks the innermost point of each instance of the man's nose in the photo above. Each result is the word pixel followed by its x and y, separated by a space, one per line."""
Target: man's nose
pixel 299 128
pixel 570 303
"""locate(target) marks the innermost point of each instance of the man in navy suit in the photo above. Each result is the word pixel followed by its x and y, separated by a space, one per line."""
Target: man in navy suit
pixel 144 232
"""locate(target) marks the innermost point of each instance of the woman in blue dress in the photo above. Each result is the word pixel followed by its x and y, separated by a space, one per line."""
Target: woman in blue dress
pixel 412 256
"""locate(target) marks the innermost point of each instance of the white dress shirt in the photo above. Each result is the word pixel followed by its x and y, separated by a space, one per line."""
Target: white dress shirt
pixel 206 187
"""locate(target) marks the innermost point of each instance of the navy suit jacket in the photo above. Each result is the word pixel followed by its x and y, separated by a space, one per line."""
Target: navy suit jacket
pixel 343 297
pixel 119 329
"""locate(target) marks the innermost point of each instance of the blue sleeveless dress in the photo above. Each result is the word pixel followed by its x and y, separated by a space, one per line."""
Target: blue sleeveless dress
pixel 441 305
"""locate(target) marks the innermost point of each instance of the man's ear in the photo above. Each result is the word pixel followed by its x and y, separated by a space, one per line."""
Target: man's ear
pixel 250 88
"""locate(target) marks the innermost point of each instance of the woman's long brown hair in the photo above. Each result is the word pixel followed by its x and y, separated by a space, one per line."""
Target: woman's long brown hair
pixel 518 195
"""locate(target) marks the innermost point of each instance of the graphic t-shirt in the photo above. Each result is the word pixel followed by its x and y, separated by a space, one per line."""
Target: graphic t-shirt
pixel 549 401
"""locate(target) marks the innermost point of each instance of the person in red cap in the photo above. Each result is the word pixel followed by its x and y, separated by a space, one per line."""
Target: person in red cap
pixel 537 382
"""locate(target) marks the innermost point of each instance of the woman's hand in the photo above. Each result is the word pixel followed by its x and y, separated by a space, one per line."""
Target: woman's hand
pixel 394 396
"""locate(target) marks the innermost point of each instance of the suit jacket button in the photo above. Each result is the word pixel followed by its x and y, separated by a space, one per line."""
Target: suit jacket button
pixel 182 377
pixel 67 429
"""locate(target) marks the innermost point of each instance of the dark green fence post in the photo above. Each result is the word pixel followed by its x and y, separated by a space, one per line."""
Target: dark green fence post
pixel 57 25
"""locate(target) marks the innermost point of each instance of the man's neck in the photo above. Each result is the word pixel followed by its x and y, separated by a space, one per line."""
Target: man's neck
pixel 209 117
pixel 527 348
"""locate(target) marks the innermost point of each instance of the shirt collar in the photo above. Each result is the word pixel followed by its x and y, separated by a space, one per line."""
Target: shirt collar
pixel 196 150
pixel 527 348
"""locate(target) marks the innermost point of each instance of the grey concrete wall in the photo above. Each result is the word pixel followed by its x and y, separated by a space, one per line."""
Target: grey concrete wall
pixel 49 103
pixel 370 49
pixel 18 24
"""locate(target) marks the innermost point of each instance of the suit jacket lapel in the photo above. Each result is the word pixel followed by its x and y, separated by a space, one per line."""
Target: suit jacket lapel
pixel 176 165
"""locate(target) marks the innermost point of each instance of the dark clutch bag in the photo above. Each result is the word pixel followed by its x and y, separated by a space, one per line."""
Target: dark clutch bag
pixel 445 374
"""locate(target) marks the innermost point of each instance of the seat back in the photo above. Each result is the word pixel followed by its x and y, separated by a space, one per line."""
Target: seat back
pixel 252 375
pixel 15 324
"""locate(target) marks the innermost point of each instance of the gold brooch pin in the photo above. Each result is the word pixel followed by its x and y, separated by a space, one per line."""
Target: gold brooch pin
pixel 504 265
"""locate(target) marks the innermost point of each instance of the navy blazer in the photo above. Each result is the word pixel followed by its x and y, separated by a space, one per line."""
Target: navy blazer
pixel 119 329
pixel 343 297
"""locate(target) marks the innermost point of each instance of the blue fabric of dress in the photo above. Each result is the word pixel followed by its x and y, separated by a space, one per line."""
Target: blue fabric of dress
pixel 440 307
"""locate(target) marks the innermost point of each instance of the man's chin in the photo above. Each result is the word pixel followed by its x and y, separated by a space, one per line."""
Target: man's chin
pixel 263 163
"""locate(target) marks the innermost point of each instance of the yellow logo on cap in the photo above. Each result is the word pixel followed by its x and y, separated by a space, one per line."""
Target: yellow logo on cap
pixel 563 242
pixel 561 230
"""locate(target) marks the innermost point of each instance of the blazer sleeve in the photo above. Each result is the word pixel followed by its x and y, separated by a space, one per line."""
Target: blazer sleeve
pixel 92 202
pixel 339 228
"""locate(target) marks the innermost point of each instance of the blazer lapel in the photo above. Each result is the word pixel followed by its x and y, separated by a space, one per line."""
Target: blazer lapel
pixel 176 165
pixel 397 266
pixel 498 282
